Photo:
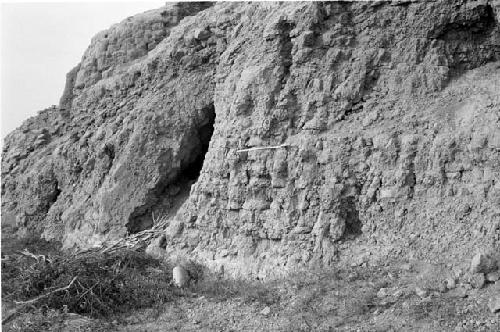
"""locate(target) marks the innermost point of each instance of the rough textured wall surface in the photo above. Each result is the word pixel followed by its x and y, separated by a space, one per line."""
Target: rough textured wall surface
pixel 387 115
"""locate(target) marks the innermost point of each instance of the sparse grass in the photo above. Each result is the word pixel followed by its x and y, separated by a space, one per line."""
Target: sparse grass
pixel 247 291
pixel 42 319
pixel 433 308
pixel 38 320
pixel 431 276
pixel 327 299
pixel 115 286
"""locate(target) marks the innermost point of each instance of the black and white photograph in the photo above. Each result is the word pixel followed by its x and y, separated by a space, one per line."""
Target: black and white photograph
pixel 250 166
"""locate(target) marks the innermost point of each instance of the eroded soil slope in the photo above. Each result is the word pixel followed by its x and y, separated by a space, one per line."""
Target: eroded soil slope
pixel 386 114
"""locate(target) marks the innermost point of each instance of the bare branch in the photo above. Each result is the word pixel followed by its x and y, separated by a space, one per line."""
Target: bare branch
pixel 264 148
pixel 47 294
pixel 26 253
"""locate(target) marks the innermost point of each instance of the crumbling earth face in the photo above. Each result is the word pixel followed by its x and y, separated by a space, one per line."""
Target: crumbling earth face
pixel 388 114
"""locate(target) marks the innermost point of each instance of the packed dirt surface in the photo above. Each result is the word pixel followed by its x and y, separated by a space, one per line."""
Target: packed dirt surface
pixel 405 295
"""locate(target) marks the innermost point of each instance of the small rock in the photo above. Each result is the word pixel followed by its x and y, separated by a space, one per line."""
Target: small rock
pixel 459 292
pixel 406 267
pixel 266 311
pixel 494 304
pixel 132 320
pixel 477 280
pixel 180 276
pixel 421 292
pixel 450 283
pixel 493 276
pixel 382 293
pixel 483 263
pixel 156 247
pixel 201 34
pixel 308 39
pixel 443 287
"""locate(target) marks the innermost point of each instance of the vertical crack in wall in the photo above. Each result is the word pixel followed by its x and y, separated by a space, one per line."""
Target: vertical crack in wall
pixel 53 196
pixel 350 214
pixel 285 48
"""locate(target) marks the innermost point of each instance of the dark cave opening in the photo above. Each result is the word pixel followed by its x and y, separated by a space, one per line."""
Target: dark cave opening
pixel 191 171
pixel 467 40
pixel 351 215
pixel 170 194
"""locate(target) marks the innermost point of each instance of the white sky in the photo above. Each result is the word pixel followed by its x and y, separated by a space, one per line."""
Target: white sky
pixel 41 42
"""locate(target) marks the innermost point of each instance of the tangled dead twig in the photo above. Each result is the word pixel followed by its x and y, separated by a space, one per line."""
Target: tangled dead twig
pixel 47 294
pixel 10 316
pixel 134 242
pixel 22 304
pixel 27 253
pixel 94 282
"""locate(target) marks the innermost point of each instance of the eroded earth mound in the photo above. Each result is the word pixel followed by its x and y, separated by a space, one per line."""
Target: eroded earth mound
pixel 274 135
